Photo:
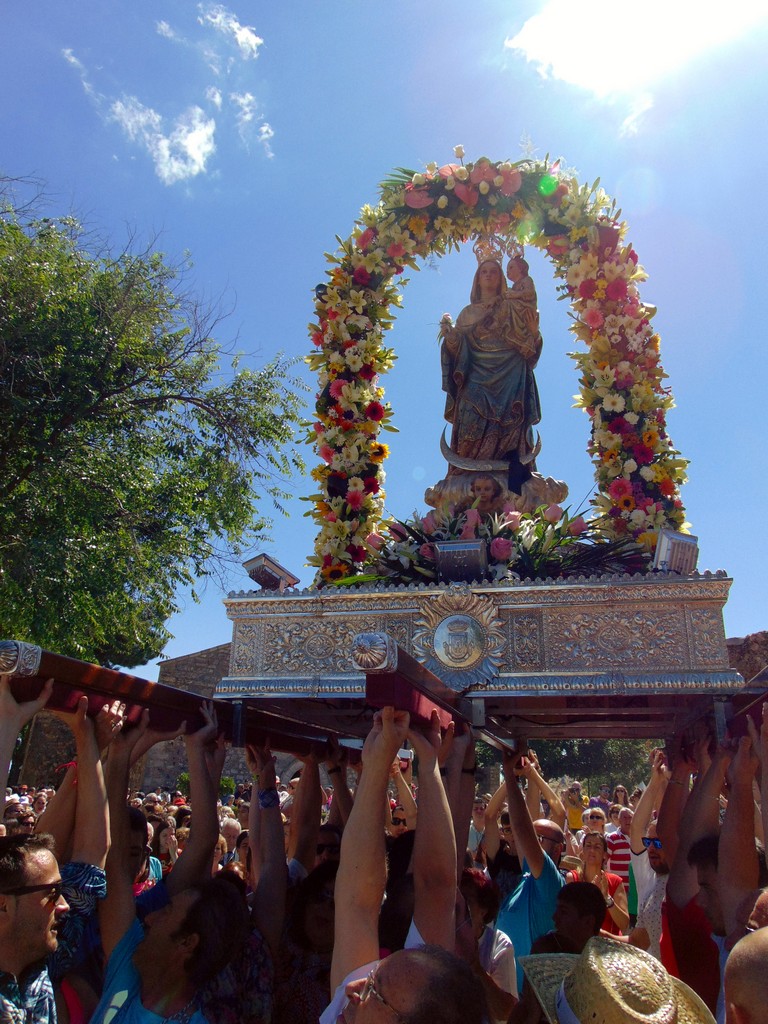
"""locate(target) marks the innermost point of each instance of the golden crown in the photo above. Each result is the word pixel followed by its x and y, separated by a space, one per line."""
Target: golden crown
pixel 494 247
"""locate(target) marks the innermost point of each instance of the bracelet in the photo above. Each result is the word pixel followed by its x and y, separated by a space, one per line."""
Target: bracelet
pixel 610 902
pixel 268 798
pixel 333 771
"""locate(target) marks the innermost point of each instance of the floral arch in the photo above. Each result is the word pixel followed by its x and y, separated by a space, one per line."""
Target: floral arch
pixel 637 471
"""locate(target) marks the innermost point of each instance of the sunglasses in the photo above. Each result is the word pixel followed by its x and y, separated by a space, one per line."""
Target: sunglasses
pixel 399 821
pixel 595 817
pixel 655 843
pixel 53 891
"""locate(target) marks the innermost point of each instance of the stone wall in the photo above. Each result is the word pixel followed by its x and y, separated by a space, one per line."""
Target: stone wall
pixel 749 654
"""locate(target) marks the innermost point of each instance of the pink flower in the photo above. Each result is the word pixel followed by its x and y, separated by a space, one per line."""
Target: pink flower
pixel 398 532
pixel 512 182
pixel 577 526
pixel 482 171
pixel 553 514
pixel 587 288
pixel 396 250
pixel 318 428
pixel 512 518
pixel 375 541
pixel 331 517
pixel 468 532
pixel 337 386
pixel 356 552
pixel 355 499
pixel 366 238
pixel 468 194
pixel 472 517
pixel 427 551
pixel 417 199
pixel 428 524
pixel 501 549
pixel 448 170
pixel 594 319
pixel 361 276
pixel 619 488
pixel 317 339
pixel 326 453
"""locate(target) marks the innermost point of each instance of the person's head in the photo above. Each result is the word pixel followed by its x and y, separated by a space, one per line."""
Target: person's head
pixel 201 930
pixel 231 829
pixel 751 914
pixel 398 823
pixel 31 903
pixel 159 844
pixel 25 822
pixel 489 281
pixel 506 834
pixel 183 814
pixel 517 269
pixel 626 814
pixel 328 844
pixel 573 793
pixel 39 803
pixel 579 912
pixel 620 796
pixel 140 848
pixel 313 914
pixel 613 814
pixel 551 837
pixel 478 809
pixel 634 797
pixel 482 897
pixel 657 857
pixel 594 849
pixel 243 811
pixel 417 986
pixel 12 809
pixel 595 820
pixel 219 852
pixel 746 980
pixel 703 856
pixel 486 490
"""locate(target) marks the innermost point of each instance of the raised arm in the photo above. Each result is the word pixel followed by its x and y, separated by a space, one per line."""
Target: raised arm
pixel 194 863
pixel 492 812
pixel 13 718
pixel 434 848
pixel 336 766
pixel 305 814
pixel 526 840
pixel 738 868
pixel 404 794
pixel 534 776
pixel 362 871
pixel 460 767
pixel 91 837
pixel 265 824
pixel 649 801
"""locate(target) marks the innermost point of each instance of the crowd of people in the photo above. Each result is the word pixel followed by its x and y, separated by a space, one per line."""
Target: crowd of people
pixel 401 892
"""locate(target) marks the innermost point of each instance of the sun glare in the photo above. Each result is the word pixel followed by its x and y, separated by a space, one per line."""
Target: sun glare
pixel 612 47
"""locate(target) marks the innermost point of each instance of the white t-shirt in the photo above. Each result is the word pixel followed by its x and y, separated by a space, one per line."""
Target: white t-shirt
pixel 651 889
pixel 497 958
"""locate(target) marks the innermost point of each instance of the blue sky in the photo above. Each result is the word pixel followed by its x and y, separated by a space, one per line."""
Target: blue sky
pixel 251 134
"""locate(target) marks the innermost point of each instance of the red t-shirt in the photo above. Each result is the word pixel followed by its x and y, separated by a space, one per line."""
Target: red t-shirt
pixel 696 960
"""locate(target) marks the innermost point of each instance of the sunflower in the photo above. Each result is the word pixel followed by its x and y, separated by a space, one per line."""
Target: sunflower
pixel 626 503
pixel 378 452
pixel 334 571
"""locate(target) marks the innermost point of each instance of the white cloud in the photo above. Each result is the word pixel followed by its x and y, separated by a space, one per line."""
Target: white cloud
pixel 165 30
pixel 213 95
pixel 266 134
pixel 246 105
pixel 181 154
pixel 225 21
pixel 78 65
pixel 615 49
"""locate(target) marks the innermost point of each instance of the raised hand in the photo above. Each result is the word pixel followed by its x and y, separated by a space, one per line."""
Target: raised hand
pixel 16 715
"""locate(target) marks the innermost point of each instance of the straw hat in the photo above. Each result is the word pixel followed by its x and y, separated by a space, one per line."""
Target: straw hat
pixel 611 982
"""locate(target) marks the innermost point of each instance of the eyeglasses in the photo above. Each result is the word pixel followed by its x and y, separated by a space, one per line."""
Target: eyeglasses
pixel 369 989
pixel 595 817
pixel 399 821
pixel 53 890
pixel 655 843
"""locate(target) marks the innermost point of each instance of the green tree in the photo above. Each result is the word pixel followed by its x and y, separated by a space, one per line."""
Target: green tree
pixel 615 761
pixel 130 460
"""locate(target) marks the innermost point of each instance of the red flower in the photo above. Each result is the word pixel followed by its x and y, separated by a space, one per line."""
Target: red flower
pixel 608 238
pixel 317 339
pixel 367 372
pixel 357 552
pixel 587 288
pixel 361 276
pixel 512 181
pixel 371 484
pixel 467 194
pixel 667 487
pixel 396 250
pixel 642 454
pixel 558 245
pixel 616 290
pixel 355 499
pixel 375 411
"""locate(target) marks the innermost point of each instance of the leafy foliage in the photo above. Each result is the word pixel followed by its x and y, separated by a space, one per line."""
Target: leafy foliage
pixel 129 459
pixel 594 762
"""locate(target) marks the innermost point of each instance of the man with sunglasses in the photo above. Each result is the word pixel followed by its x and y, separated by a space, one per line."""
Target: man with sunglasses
pixel 648 857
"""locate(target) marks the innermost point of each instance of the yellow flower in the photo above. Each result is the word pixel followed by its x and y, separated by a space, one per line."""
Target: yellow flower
pixel 418 225
pixel 334 571
pixel 650 438
pixel 650 539
pixel 378 452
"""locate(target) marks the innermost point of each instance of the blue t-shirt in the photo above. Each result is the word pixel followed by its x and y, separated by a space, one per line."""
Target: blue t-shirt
pixel 527 912
pixel 121 1000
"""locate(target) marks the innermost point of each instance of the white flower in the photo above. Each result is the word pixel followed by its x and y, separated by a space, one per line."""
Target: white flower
pixel 629 467
pixel 418 179
pixel 462 173
pixel 484 188
pixel 631 417
pixel 647 472
pixel 614 403
pixel 637 517
pixel 355 483
pixel 432 168
pixel 450 182
pixel 458 152
pixel 442 202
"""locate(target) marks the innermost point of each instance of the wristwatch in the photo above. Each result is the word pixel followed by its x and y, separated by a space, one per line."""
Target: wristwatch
pixel 609 901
